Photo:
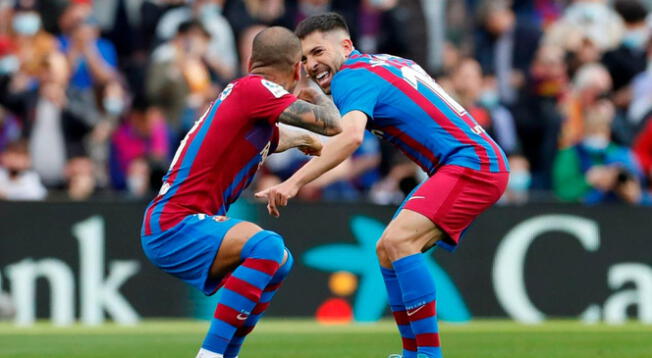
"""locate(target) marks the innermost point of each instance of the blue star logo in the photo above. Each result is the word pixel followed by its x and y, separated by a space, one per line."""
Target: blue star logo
pixel 371 298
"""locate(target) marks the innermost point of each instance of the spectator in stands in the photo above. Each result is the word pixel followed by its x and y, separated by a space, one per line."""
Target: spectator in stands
pixel 178 80
pixel 10 130
pixel 480 98
pixel 641 105
pixel 114 104
pixel 505 47
pixel 244 14
pixel 538 114
pixel 93 60
pixel 244 45
pixel 80 178
pixel 139 146
pixel 33 45
pixel 221 53
pixel 628 59
pixel 151 12
pixel 587 20
pixel 371 24
pixel 17 180
pixel 596 170
pixel 55 120
pixel 590 84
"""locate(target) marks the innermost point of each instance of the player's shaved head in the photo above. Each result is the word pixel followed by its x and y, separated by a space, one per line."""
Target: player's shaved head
pixel 277 48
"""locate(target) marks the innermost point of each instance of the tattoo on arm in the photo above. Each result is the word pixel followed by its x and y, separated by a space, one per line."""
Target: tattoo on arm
pixel 322 117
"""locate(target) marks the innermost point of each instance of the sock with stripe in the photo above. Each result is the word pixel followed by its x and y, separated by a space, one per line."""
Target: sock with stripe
pixel 242 290
pixel 418 289
pixel 395 299
pixel 234 346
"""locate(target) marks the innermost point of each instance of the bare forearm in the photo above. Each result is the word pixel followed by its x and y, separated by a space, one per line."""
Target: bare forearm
pixel 317 114
pixel 328 112
pixel 99 69
pixel 335 152
pixel 290 139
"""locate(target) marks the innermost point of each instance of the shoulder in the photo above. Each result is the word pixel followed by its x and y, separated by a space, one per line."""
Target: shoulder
pixel 261 86
pixel 348 76
pixel 619 150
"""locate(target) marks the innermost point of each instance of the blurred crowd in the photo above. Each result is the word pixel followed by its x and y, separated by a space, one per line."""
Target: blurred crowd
pixel 95 95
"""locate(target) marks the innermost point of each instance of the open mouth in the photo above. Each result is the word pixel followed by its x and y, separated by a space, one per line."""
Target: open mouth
pixel 323 78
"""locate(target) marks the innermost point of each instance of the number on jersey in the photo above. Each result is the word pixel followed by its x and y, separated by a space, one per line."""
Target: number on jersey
pixel 414 75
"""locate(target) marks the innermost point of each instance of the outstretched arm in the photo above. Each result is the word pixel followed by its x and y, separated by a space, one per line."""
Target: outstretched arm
pixel 313 111
pixel 307 143
pixel 335 151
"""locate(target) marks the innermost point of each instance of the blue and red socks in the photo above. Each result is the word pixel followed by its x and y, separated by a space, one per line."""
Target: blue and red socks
pixel 395 299
pixel 243 289
pixel 418 291
pixel 234 346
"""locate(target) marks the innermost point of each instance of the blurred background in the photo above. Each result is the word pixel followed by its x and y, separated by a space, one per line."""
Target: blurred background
pixel 95 96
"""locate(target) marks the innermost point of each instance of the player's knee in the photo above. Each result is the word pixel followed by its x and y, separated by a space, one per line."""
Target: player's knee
pixel 286 265
pixel 265 245
pixel 381 253
pixel 380 248
pixel 389 243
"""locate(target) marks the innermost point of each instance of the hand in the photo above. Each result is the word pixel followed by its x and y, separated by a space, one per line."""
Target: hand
pixel 311 145
pixel 630 191
pixel 84 36
pixel 602 177
pixel 277 196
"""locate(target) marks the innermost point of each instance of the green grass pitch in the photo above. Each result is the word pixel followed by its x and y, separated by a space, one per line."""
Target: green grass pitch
pixel 306 339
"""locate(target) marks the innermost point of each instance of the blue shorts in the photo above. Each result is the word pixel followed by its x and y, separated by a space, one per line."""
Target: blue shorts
pixel 188 249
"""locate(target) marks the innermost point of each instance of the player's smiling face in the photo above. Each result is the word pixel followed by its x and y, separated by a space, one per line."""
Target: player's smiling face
pixel 323 54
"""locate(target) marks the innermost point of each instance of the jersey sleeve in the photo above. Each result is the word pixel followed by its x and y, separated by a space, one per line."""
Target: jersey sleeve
pixel 269 99
pixel 356 90
pixel 276 136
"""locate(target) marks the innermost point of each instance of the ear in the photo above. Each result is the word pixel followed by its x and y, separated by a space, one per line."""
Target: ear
pixel 249 64
pixel 297 71
pixel 347 45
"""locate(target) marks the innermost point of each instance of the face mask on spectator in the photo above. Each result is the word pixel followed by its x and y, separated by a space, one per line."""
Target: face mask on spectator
pixel 207 11
pixel 595 143
pixel 113 105
pixel 488 99
pixel 9 64
pixel 519 180
pixel 635 39
pixel 27 24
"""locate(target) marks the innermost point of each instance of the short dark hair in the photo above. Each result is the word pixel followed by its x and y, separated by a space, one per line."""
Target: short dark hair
pixel 275 47
pixel 323 23
pixel 632 11
pixel 190 25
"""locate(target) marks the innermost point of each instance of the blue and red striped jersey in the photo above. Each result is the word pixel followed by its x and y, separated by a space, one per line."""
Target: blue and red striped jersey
pixel 408 108
pixel 220 154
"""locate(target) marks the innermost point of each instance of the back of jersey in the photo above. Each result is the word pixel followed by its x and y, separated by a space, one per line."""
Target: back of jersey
pixel 219 156
pixel 409 109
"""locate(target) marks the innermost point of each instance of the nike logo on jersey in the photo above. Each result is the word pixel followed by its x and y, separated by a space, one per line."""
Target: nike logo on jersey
pixel 417 197
pixel 414 311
